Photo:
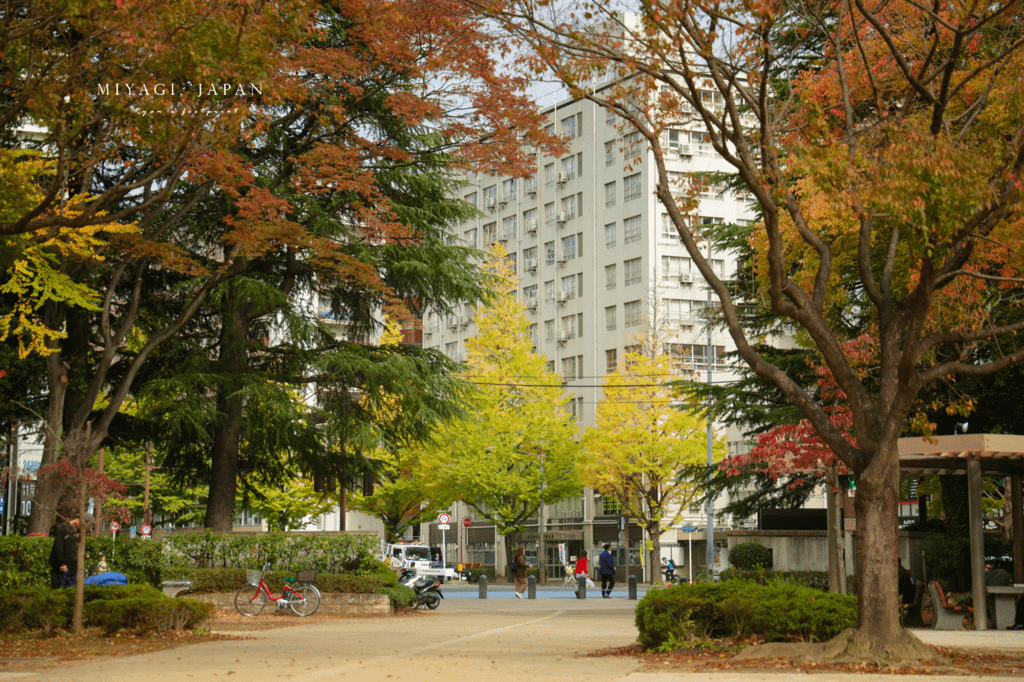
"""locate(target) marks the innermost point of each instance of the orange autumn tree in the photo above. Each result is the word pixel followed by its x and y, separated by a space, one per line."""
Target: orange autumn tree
pixel 304 180
pixel 883 142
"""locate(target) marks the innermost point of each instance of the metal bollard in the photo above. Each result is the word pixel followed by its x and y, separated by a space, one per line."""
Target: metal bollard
pixel 531 587
pixel 632 587
pixel 483 586
pixel 581 587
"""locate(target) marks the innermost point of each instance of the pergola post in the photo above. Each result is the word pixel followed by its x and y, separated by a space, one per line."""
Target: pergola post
pixel 1017 517
pixel 977 544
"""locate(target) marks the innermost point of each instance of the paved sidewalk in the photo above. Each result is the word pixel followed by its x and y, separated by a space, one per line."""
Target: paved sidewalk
pixel 542 640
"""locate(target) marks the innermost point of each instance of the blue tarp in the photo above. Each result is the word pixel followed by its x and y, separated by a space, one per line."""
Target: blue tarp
pixel 108 578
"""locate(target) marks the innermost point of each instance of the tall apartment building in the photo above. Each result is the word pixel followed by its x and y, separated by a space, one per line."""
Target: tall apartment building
pixel 594 251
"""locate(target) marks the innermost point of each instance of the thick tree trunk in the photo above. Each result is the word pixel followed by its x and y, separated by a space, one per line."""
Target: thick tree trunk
pixel 876 504
pixel 220 509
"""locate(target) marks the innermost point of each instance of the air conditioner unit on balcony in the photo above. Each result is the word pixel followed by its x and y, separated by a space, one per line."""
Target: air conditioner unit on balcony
pixel 453 325
pixel 531 265
pixel 686 277
pixel 531 303
pixel 562 297
pixel 491 204
pixel 531 227
pixel 562 338
pixel 562 218
pixel 465 323
pixel 502 237
pixel 562 258
pixel 531 188
pixel 685 151
pixel 505 199
pixel 562 178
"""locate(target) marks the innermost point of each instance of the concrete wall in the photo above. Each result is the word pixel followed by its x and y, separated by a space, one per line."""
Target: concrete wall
pixel 807 550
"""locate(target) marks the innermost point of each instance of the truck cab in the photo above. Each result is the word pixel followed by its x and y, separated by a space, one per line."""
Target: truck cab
pixel 415 558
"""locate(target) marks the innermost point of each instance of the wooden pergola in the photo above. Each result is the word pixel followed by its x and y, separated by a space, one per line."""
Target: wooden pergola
pixel 975 455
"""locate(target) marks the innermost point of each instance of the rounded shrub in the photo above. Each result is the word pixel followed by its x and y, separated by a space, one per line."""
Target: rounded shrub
pixel 750 555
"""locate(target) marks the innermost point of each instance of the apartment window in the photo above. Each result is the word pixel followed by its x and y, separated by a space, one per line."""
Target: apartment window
pixel 509 187
pixel 675 309
pixel 611 360
pixel 452 350
pixel 579 332
pixel 609 153
pixel 633 314
pixel 579 284
pixel 549 175
pixel 709 220
pixel 471 199
pixel 511 260
pixel 469 238
pixel 694 356
pixel 569 369
pixel 508 226
pixel 718 266
pixel 631 187
pixel 569 247
pixel 610 116
pixel 632 272
pixel 569 127
pixel 668 229
pixel 490 196
pixel 569 287
pixel 609 194
pixel 530 219
pixel 549 333
pixel 609 236
pixel 490 233
pixel 579 204
pixel 549 253
pixel 569 207
pixel 631 230
pixel 532 331
pixel 549 291
pixel 550 367
pixel 673 266
pixel 530 295
pixel 569 326
pixel 569 167
pixel 549 213
pixel 529 254
pixel 576 405
pixel 611 318
pixel 609 277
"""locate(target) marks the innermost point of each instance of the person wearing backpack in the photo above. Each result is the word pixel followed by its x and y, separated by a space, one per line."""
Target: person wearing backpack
pixel 607 571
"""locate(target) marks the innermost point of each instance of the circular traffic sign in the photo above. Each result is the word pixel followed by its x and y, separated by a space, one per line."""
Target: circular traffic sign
pixel 146 529
pixel 443 518
pixel 467 522
pixel 114 526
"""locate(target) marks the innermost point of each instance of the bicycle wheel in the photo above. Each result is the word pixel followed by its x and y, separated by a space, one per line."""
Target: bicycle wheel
pixel 305 600
pixel 250 600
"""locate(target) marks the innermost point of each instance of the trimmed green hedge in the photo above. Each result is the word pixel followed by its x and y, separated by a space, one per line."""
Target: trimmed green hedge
pixel 778 611
pixel 137 608
pixel 400 595
pixel 816 579
pixel 749 555
pixel 217 580
pixel 24 561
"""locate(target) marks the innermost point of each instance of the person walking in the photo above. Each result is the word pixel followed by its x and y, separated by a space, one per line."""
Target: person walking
pixel 581 570
pixel 64 554
pixel 519 567
pixel 607 571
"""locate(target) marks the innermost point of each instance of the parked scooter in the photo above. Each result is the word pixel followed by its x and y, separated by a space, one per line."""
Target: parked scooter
pixel 428 592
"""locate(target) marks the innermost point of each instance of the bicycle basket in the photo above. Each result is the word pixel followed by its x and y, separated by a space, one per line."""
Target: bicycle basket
pixel 307 576
pixel 254 577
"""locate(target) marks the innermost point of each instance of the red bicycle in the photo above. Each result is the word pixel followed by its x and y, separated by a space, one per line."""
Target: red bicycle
pixel 304 599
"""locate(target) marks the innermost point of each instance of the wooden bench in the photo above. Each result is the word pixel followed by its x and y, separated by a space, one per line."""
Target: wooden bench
pixel 946 617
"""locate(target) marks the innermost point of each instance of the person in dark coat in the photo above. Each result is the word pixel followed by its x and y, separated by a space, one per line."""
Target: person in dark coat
pixel 519 565
pixel 64 554
pixel 607 571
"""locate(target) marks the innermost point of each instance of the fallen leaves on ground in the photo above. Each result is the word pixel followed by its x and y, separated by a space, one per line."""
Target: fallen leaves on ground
pixel 718 656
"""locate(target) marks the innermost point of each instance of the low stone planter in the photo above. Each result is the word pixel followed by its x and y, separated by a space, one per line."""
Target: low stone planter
pixel 333 604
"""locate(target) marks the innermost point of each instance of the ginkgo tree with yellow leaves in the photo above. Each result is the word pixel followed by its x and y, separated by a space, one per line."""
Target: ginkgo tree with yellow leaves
pixel 641 439
pixel 517 446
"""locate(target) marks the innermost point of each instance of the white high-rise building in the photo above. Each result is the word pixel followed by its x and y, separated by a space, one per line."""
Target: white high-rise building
pixel 595 251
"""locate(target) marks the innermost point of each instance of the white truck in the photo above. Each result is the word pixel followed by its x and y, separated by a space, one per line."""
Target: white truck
pixel 416 558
